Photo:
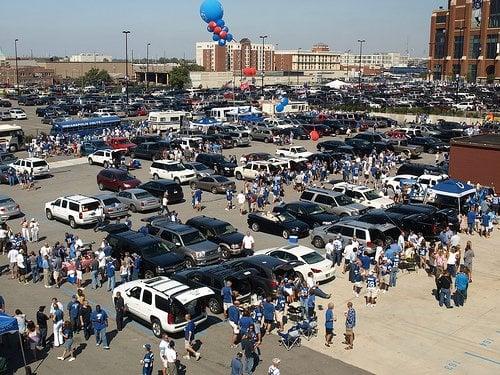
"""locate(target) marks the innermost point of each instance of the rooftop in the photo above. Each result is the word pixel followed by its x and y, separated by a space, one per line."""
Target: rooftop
pixel 483 140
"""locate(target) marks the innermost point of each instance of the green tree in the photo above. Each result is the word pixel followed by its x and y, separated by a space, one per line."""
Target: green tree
pixel 94 77
pixel 179 77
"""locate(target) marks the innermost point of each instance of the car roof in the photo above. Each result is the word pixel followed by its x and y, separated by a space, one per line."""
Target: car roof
pixel 135 191
pixel 363 225
pixel 136 237
pixel 114 170
pixel 164 181
pixel 168 162
pixel 324 191
pixel 294 249
pixel 164 285
pixel 175 227
pixel 33 159
pixel 79 198
pixel 104 196
pixel 264 260
pixel 208 221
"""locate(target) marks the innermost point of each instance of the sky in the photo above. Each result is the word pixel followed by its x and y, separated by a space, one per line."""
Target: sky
pixel 66 27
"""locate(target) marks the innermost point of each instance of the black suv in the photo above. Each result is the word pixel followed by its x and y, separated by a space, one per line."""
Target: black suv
pixel 158 188
pixel 217 163
pixel 443 216
pixel 215 277
pixel 418 170
pixel 150 150
pixel 157 257
pixel 310 213
pixel 220 232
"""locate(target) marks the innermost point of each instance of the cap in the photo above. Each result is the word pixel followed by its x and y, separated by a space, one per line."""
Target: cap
pixel 147 346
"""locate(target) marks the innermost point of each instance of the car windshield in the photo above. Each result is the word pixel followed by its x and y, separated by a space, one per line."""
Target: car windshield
pixel 143 195
pixel 155 249
pixel 343 200
pixel 99 144
pixel 432 140
pixel 224 229
pixel 7 158
pixel 4 201
pixel 371 195
pixel 199 167
pixel 312 258
pixel 300 149
pixel 221 179
pixel 313 209
pixel 284 216
pixel 192 238
pixel 110 201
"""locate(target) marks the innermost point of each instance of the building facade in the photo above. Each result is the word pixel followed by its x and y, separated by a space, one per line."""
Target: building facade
pixel 384 60
pixel 465 41
pixel 28 75
pixel 90 57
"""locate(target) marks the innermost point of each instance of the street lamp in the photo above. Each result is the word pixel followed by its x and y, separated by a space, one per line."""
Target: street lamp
pixel 263 37
pixel 147 65
pixel 17 68
pixel 298 62
pixel 126 32
pixel 360 41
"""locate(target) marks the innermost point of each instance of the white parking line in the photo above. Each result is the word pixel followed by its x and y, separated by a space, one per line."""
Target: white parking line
pixel 68 163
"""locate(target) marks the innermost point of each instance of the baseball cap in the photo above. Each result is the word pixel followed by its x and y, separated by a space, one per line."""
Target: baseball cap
pixel 147 346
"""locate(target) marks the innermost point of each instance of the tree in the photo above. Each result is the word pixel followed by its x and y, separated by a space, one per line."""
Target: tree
pixel 94 77
pixel 179 77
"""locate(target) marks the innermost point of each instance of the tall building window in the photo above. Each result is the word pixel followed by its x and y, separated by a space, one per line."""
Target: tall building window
pixel 474 46
pixel 456 70
pixel 472 73
pixel 438 68
pixel 458 50
pixel 439 44
pixel 492 46
pixel 494 13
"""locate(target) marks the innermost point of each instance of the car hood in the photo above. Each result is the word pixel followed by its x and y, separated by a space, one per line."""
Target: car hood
pixel 165 260
pixel 231 238
pixel 292 224
pixel 203 246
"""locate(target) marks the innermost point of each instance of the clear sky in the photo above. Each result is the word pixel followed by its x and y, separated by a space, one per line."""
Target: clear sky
pixel 65 27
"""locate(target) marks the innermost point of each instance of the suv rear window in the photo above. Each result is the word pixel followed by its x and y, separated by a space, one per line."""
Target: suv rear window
pixel 307 195
pixel 90 206
pixel 40 163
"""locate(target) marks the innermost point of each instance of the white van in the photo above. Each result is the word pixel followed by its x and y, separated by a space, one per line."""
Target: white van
pixel 164 121
pixel 163 303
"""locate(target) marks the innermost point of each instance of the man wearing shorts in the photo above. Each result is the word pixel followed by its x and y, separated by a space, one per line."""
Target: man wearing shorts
pixel 233 313
pixel 189 338
pixel 227 297
pixel 329 319
pixel 12 255
pixel 280 310
pixel 371 289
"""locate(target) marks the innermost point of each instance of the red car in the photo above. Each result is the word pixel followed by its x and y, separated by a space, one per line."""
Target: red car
pixel 121 143
pixel 116 180
pixel 141 112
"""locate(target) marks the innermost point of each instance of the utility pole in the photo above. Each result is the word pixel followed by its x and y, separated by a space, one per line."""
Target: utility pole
pixel 126 32
pixel 147 65
pixel 263 37
pixel 360 41
pixel 17 69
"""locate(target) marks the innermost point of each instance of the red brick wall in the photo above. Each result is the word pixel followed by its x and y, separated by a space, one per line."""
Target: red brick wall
pixel 475 164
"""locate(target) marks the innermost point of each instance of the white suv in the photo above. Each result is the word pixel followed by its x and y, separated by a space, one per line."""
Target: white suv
pixel 75 210
pixel 37 167
pixel 171 170
pixel 164 303
pixel 18 114
pixel 104 157
pixel 364 195
pixel 250 170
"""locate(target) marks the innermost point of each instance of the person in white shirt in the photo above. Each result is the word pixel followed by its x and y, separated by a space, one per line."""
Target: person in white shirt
pixel 45 250
pixel 3 238
pixel 379 251
pixel 241 202
pixel 12 256
pixel 274 369
pixel 355 242
pixel 348 251
pixel 401 241
pixel 78 243
pixel 21 267
pixel 34 229
pixel 329 250
pixel 455 239
pixel 247 244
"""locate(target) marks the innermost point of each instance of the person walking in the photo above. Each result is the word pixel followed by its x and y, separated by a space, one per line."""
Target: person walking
pixel 86 320
pixel 57 315
pixel 67 333
pixel 444 286
pixel 41 322
pixel 247 244
pixel 237 364
pixel 350 323
pixel 120 310
pixel 170 359
pixel 148 360
pixel 461 286
pixel 46 272
pixel 74 314
pixel 94 269
pixel 329 321
pixel 248 346
pixel 99 322
pixel 111 274
pixel 34 230
pixel 189 339
pixel 227 297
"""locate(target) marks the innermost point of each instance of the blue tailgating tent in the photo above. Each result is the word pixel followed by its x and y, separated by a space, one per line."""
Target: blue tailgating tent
pixel 454 189
pixel 8 324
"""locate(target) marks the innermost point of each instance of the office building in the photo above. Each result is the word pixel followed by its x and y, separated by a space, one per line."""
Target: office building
pixel 90 58
pixel 464 41
pixel 384 60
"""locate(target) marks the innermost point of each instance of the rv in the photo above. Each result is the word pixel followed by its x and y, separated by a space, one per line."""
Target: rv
pixel 169 120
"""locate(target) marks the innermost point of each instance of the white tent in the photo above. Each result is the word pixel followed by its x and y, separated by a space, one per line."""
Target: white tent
pixel 337 84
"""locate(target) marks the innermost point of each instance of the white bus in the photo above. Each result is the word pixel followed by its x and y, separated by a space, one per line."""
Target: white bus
pixel 11 138
pixel 230 113
pixel 164 121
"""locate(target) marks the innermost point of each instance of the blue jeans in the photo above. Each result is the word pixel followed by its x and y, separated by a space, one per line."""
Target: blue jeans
pixel 111 283
pixel 95 281
pixel 100 336
pixel 444 297
pixel 35 274
pixel 248 367
pixel 451 270
pixel 337 258
pixel 460 296
pixel 471 227
pixel 393 276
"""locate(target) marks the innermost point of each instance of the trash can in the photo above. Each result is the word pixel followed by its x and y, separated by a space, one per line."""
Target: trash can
pixel 293 240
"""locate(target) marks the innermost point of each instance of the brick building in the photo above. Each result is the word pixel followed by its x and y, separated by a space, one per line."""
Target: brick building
pixel 28 75
pixel 465 41
pixel 476 159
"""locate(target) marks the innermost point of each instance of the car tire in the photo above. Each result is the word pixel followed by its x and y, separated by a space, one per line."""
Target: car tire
pixel 132 155
pixel 214 306
pixel 100 186
pixel 48 214
pixel 255 227
pixel 156 327
pixel 431 150
pixel 318 242
pixel 250 138
pixel 213 190
pixel 13 148
pixel 72 222
pixel 226 253
pixel 156 177
pixel 285 234
pixel 190 263
pixel 239 176
pixel 266 140
pixel 91 162
pixel 149 274
pixel 133 208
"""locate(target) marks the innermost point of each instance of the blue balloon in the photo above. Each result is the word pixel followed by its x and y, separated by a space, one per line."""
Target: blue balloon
pixel 211 10
pixel 215 38
pixel 280 108
pixel 229 37
pixel 284 101
pixel 222 42
pixel 225 28
pixel 220 23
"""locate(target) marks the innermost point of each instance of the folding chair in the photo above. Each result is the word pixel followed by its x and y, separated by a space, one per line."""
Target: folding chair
pixel 308 328
pixel 290 339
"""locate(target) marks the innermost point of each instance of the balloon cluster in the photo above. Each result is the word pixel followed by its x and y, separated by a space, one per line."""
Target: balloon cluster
pixel 211 11
pixel 280 107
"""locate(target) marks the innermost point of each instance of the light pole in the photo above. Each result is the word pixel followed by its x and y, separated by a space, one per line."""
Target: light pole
pixel 360 41
pixel 147 65
pixel 17 68
pixel 126 32
pixel 298 62
pixel 263 37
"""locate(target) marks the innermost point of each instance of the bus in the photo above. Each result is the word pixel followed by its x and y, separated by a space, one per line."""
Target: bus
pixel 231 113
pixel 11 138
pixel 88 126
pixel 168 120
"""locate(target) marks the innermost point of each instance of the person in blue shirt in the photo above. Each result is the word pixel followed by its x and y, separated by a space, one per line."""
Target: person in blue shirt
pixel 311 304
pixel 99 319
pixel 280 310
pixel 461 285
pixel 471 220
pixel 371 289
pixel 227 297
pixel 357 278
pixel 110 273
pixel 269 314
pixel 350 323
pixel 485 223
pixel 394 270
pixel 148 360
pixel 237 364
pixel 189 338
pixel 233 313
pixel 329 319
pixel 137 267
pixel 229 199
pixel 245 322
pixel 197 199
pixel 74 313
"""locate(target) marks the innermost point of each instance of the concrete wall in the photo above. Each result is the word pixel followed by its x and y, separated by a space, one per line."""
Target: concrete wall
pixel 400 118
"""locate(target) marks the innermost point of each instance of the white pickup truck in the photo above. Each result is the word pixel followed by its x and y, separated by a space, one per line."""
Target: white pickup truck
pixel 293 152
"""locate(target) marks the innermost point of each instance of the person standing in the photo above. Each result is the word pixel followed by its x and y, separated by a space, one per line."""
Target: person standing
pixel 329 321
pixel 371 289
pixel 329 248
pixel 57 315
pixel 148 360
pixel 274 369
pixel 41 322
pixel 99 322
pixel 120 310
pixel 241 202
pixel 461 286
pixel 233 313
pixel 111 274
pixel 248 347
pixel 269 312
pixel 67 333
pixel 94 269
pixel 85 314
pixel 164 203
pixel 34 230
pixel 350 323
pixel 46 272
pixel 471 220
pixel 12 256
pixel 444 286
pixel 21 267
pixel 247 244
pixel 3 237
pixel 468 258
pixel 229 199
pixel 74 314
pixel 189 339
pixel 237 364
pixel 227 297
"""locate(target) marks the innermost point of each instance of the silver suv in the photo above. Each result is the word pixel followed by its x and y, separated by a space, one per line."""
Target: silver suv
pixel 365 233
pixel 188 241
pixel 333 202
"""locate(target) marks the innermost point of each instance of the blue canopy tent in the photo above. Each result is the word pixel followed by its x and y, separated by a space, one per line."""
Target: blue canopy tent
pixel 206 121
pixel 453 189
pixel 8 324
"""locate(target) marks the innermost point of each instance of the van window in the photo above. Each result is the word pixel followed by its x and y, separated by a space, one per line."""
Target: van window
pixel 347 231
pixel 90 206
pixel 324 199
pixel 307 196
pixel 361 234
pixel 73 206
pixel 147 297
pixel 64 204
pixel 162 304
pixel 135 292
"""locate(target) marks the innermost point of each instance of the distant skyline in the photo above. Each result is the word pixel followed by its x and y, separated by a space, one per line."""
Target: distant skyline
pixel 49 28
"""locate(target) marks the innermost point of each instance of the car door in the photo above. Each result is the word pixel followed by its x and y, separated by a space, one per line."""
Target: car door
pixel 56 208
pixel 63 211
pixel 133 302
pixel 332 232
